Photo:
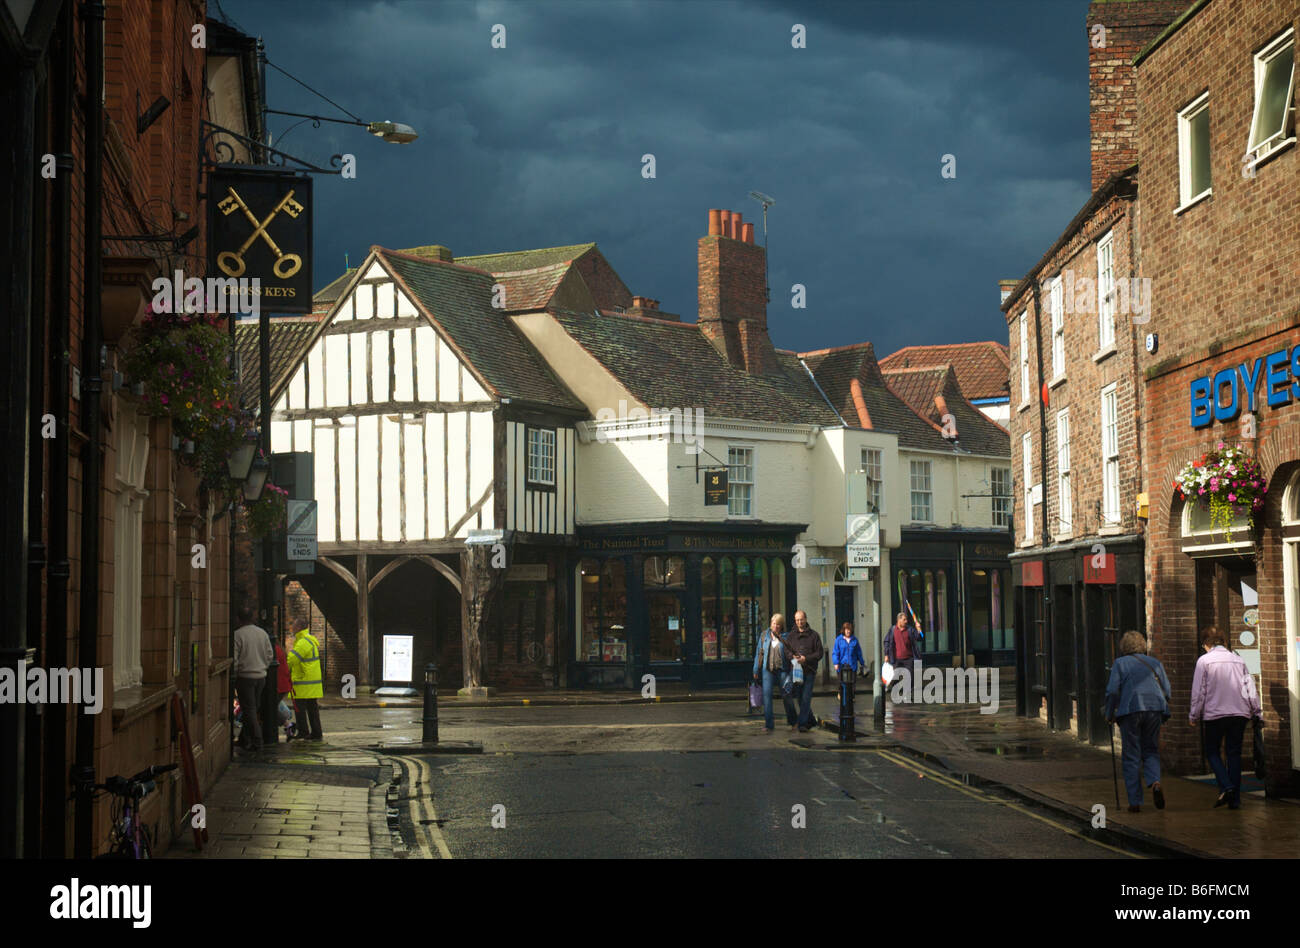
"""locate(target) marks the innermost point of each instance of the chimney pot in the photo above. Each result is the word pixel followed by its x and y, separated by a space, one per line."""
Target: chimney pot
pixel 747 235
pixel 715 222
pixel 726 223
pixel 737 226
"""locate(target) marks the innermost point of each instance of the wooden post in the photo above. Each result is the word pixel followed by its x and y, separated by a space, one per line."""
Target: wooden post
pixel 363 621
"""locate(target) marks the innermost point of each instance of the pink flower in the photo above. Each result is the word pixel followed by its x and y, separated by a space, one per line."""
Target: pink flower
pixel 1232 498
pixel 163 398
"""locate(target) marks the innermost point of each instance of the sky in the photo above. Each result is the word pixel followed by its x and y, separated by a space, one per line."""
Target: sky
pixel 541 143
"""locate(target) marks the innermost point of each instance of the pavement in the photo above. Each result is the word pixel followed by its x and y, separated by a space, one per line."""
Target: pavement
pixel 348 799
pixel 1053 769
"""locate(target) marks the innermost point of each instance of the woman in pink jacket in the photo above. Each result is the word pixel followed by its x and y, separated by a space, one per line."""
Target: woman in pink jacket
pixel 1223 696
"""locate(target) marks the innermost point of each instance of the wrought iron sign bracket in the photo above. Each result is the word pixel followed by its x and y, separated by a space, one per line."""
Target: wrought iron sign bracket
pixel 274 157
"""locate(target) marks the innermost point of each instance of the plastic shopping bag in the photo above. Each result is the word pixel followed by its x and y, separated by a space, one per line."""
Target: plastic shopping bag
pixel 797 674
pixel 886 674
pixel 755 696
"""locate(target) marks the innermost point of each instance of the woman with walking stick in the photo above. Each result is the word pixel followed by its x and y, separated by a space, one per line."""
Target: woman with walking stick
pixel 1137 696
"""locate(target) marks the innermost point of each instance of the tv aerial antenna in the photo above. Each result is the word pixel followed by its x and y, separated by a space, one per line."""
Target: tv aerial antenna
pixel 767 202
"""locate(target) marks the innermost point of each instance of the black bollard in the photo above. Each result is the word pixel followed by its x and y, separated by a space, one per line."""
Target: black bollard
pixel 848 726
pixel 430 704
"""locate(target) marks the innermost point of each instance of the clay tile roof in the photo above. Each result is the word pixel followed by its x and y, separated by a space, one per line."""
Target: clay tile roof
pixel 330 292
pixel 975 431
pixel 525 259
pixel 668 364
pixel 530 290
pixel 290 336
pixel 983 368
pixel 459 298
pixel 836 369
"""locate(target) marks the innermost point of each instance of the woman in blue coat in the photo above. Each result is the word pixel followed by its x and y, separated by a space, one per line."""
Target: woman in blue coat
pixel 1137 696
pixel 772 666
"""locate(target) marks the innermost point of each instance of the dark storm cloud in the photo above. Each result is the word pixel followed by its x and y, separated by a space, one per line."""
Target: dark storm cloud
pixel 540 144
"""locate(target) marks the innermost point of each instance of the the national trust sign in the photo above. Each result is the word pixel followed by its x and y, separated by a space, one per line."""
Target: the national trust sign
pixel 1277 372
pixel 260 223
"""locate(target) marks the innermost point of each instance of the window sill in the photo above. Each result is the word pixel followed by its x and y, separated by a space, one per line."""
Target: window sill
pixel 1024 544
pixel 1063 537
pixel 1194 201
pixel 1109 351
pixel 1282 146
pixel 1111 531
pixel 1023 406
pixel 1059 380
pixel 131 704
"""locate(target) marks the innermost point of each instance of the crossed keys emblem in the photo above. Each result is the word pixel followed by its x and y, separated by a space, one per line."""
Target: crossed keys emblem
pixel 232 264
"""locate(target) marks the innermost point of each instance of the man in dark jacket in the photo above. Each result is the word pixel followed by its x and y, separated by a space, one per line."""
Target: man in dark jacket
pixel 902 642
pixel 806 646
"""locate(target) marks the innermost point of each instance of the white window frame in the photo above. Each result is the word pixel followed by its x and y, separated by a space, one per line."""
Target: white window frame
pixel 131 441
pixel 1106 291
pixel 1056 297
pixel 1027 465
pixel 537 470
pixel 1185 196
pixel 1064 500
pixel 1110 507
pixel 873 464
pixel 1024 359
pixel 1266 146
pixel 1001 504
pixel 922 495
pixel 735 467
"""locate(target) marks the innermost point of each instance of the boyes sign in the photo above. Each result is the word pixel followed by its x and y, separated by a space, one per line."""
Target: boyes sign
pixel 1223 396
pixel 261 227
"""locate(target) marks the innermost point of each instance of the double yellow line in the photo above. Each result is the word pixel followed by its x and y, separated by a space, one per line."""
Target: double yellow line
pixel 424 818
pixel 947 780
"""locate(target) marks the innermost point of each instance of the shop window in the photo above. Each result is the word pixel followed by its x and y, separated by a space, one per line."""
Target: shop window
pixel 726 604
pixel 942 634
pixel 602 591
pixel 1001 624
pixel 709 608
pixel 665 572
pixel 749 603
pixel 931 627
pixel 981 610
pixel 776 584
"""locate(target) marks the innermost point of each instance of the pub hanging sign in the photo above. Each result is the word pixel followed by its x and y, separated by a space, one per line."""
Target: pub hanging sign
pixel 261 230
pixel 715 488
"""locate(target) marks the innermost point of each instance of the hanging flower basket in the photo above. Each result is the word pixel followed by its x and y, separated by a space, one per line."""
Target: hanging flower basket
pixel 266 515
pixel 1227 481
pixel 181 362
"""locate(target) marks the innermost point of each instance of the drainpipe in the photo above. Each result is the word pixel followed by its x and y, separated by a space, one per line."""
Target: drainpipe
pixel 55 792
pixel 92 463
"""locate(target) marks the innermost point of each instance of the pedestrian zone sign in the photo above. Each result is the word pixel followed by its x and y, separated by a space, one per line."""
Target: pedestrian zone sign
pixel 301 519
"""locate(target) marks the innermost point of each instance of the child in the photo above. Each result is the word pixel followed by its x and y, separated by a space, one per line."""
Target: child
pixel 846 660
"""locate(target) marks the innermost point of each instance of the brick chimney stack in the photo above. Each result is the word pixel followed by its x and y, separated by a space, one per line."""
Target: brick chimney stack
pixel 733 293
pixel 1116 33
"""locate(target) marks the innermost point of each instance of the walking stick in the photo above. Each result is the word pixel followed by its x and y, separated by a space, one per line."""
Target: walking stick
pixel 1114 774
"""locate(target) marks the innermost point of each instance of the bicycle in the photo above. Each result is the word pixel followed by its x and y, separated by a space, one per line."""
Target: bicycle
pixel 130 837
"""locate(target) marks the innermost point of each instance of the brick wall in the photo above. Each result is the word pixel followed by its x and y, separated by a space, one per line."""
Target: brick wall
pixel 1223 276
pixel 1116 33
pixel 1087 372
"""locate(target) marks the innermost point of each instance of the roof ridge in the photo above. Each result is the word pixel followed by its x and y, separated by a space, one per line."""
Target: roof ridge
pixel 610 314
pixel 852 345
pixel 416 258
pixel 512 253
pixel 543 268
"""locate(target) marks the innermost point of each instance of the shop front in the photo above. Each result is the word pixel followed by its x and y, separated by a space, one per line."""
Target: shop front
pixel 958 583
pixel 1229 566
pixel 683 603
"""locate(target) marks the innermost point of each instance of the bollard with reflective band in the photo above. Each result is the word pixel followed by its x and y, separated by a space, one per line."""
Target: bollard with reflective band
pixel 430 704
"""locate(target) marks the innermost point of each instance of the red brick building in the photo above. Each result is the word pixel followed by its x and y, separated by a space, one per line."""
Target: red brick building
pixel 125 556
pixel 1076 324
pixel 1221 244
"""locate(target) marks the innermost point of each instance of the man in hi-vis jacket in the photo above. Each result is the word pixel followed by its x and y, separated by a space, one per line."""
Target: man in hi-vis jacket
pixel 308 684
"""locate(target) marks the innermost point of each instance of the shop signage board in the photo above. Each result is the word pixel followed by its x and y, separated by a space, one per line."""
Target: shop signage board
pixel 301 533
pixel 399 651
pixel 260 227
pixel 1273 379
pixel 715 488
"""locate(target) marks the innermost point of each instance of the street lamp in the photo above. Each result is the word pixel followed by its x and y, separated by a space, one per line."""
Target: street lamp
pixel 394 132
pixel 240 463
pixel 255 482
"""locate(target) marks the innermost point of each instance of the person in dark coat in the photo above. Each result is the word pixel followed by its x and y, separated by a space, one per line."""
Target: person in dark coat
pixel 806 646
pixel 902 642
